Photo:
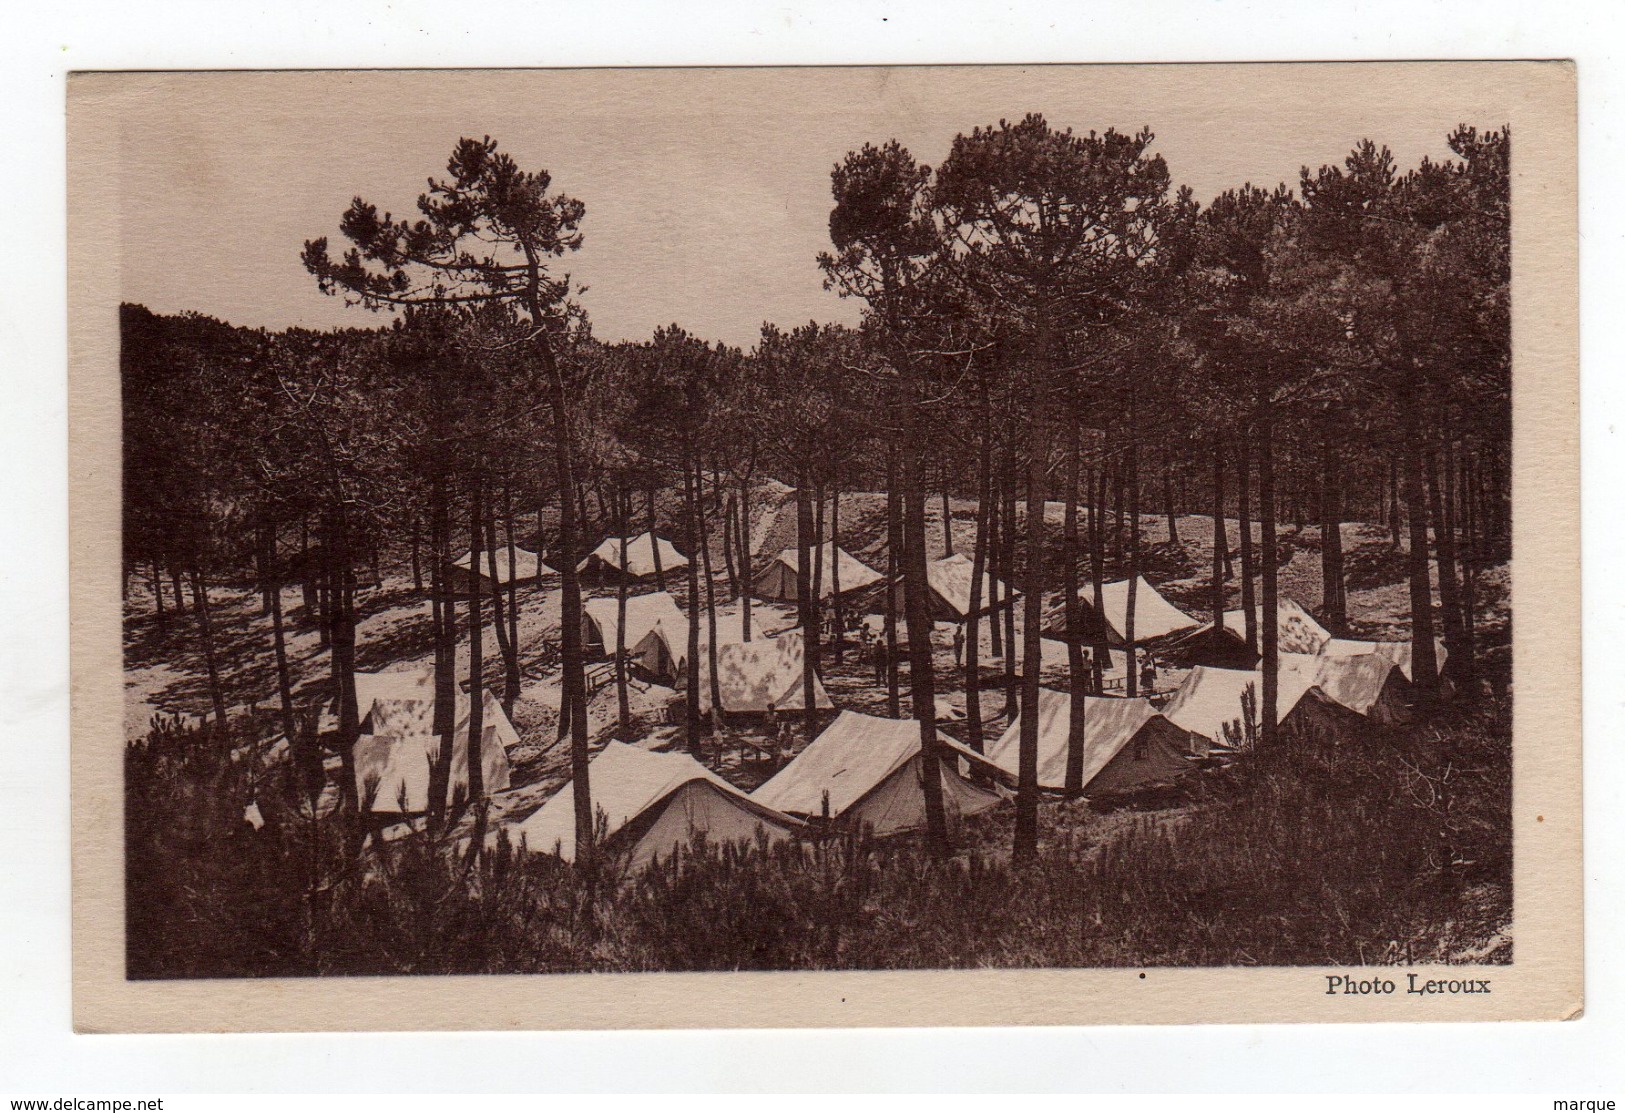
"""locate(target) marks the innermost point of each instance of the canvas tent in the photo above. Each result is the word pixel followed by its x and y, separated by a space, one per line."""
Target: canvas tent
pixel 1368 684
pixel 1211 698
pixel 397 743
pixel 949 580
pixel 1296 632
pixel 1127 744
pixel 656 631
pixel 653 804
pixel 871 770
pixel 777 582
pixel 1397 652
pixel 764 672
pixel 1154 616
pixel 640 556
pixel 527 569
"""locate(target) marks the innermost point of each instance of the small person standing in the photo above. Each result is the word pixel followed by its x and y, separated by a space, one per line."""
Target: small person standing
pixel 1148 675
pixel 959 644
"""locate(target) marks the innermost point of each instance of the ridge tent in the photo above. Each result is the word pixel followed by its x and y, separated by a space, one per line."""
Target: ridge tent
pixel 653 805
pixel 656 631
pixel 1211 698
pixel 777 582
pixel 755 674
pixel 398 744
pixel 640 557
pixel 1296 632
pixel 1127 744
pixel 949 581
pixel 1397 652
pixel 1368 684
pixel 1154 616
pixel 871 770
pixel 527 569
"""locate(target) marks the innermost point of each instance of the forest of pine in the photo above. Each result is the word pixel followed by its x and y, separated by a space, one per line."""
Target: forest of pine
pixel 1289 405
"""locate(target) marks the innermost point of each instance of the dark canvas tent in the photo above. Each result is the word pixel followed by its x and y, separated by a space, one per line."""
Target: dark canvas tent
pixel 397 745
pixel 870 771
pixel 653 804
pixel 526 568
pixel 777 582
pixel 1127 744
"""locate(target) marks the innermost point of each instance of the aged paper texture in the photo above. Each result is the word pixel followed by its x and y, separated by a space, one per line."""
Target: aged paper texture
pixel 277 819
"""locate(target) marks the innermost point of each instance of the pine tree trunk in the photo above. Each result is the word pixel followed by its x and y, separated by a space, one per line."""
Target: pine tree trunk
pixel 445 652
pixel 1468 657
pixel 818 558
pixel 1012 692
pixel 417 563
pixel 947 524
pixel 499 617
pixel 973 622
pixel 804 608
pixel 279 644
pixel 691 510
pixel 717 711
pixel 654 541
pixel 1101 650
pixel 1445 555
pixel 1424 661
pixel 175 583
pixel 995 533
pixel 1393 503
pixel 836 606
pixel 1244 516
pixel 1131 681
pixel 476 649
pixel 1168 504
pixel 1331 544
pixel 623 699
pixel 205 633
pixel 156 578
pixel 746 571
pixel 513 583
pixel 729 568
pixel 894 568
pixel 1270 631
pixel 1026 833
pixel 921 673
pixel 1220 541
pixel 1077 671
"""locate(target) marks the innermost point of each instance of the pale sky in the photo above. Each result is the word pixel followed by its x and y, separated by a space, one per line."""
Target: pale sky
pixel 707 191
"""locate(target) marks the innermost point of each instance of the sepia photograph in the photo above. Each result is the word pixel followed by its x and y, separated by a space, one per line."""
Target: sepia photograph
pixel 963 519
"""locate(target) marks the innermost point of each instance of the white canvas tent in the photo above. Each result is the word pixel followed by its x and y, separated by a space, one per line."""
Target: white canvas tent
pixel 1368 684
pixel 1154 616
pixel 1296 629
pixel 640 556
pixel 777 582
pixel 1127 744
pixel 1210 698
pixel 397 745
pixel 870 768
pixel 527 568
pixel 653 804
pixel 1397 652
pixel 760 674
pixel 949 580
pixel 656 631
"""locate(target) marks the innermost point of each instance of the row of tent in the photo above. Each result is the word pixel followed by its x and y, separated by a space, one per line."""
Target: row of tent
pixel 868 771
pixel 863 769
pixel 525 567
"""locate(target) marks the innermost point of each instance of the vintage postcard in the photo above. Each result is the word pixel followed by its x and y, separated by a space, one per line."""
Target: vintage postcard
pixel 805 547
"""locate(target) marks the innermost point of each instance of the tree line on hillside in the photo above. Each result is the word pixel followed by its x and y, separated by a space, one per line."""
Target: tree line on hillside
pixel 1046 317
